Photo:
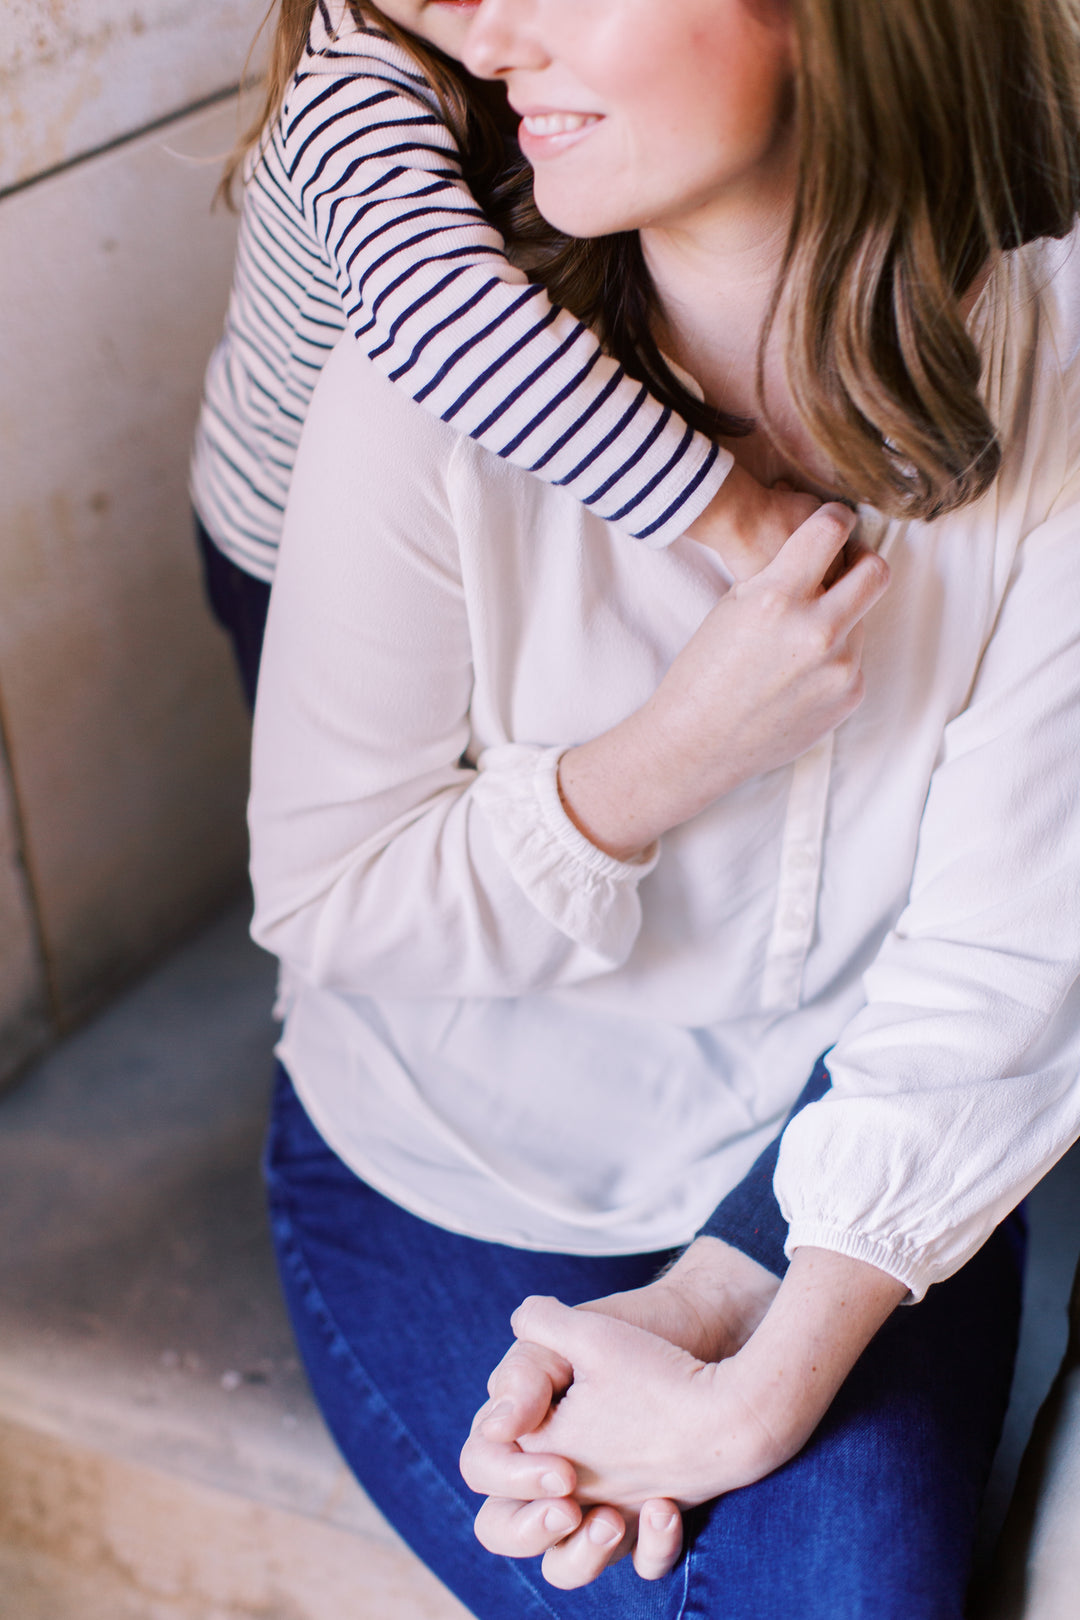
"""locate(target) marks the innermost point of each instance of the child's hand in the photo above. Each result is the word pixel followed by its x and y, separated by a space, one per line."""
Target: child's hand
pixel 746 524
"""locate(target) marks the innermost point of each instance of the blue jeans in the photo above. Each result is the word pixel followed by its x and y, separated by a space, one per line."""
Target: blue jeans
pixel 399 1324
pixel 239 602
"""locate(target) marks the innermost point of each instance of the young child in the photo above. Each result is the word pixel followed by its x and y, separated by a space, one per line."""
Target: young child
pixel 356 215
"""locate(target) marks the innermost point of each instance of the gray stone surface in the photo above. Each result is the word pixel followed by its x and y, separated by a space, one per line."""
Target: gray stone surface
pixel 25 1027
pixel 139 1310
pixel 126 735
pixel 75 74
pixel 163 1459
pixel 87 1536
pixel 1054 1217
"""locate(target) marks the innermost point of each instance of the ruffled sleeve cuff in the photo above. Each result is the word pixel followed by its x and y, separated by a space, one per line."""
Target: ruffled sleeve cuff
pixel 587 895
pixel 892 1258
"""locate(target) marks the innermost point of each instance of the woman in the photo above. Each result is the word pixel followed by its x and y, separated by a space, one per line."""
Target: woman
pixel 565 927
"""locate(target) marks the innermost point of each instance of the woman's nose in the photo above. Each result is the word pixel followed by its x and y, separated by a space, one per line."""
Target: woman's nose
pixel 504 37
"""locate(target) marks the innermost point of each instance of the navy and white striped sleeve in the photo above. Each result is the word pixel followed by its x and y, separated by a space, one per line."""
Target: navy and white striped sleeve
pixel 430 294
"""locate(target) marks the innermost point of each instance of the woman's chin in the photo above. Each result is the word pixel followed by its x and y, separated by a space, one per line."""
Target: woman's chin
pixel 582 215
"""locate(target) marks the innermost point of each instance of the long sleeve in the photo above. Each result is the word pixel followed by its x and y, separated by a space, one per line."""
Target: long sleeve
pixel 384 862
pixel 956 1086
pixel 431 297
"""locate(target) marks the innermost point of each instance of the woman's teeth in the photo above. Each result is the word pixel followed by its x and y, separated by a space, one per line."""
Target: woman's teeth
pixel 557 123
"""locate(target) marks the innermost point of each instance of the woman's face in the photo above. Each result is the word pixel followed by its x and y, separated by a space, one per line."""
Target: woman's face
pixel 639 112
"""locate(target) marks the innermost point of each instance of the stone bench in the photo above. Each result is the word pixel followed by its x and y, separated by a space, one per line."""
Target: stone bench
pixel 160 1456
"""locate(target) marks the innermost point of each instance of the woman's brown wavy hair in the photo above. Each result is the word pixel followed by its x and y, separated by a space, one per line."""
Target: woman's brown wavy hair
pixel 931 137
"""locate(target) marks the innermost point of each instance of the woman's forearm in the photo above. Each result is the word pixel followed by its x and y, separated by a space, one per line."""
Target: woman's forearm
pixel 708 1303
pixel 620 789
pixel 825 1313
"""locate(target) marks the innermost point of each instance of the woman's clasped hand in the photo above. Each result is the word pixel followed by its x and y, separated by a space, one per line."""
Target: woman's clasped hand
pixel 604 1421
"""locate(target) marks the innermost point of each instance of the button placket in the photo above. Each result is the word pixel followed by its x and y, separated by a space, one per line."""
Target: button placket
pixel 799 879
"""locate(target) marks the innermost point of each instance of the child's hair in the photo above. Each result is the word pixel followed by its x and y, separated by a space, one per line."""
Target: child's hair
pixel 464 102
pixel 931 137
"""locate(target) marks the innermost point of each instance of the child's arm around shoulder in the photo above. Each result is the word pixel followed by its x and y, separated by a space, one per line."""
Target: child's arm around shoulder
pixel 430 294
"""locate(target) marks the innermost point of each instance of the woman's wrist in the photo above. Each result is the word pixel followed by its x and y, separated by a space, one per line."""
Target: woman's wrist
pixel 708 1303
pixel 607 795
pixel 754 1410
pixel 826 1311
pixel 723 1296
pixel 773 667
pixel 624 789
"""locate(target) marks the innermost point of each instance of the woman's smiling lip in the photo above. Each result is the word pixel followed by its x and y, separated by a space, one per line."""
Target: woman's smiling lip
pixel 546 131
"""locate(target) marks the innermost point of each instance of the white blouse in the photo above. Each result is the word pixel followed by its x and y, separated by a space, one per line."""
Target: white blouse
pixel 524 1040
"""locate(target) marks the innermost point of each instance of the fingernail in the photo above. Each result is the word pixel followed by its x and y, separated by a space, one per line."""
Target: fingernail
pixel 501 1409
pixel 602 1533
pixel 661 1519
pixel 553 1485
pixel 558 1521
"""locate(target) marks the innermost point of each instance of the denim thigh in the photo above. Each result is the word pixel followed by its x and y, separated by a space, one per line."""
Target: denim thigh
pixel 399 1324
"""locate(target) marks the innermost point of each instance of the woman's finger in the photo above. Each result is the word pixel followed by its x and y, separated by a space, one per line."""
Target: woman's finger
pixel 856 591
pixel 578 1337
pixel 521 1390
pixel 524 1530
pixel 499 1468
pixel 659 1539
pixel 601 1539
pixel 804 560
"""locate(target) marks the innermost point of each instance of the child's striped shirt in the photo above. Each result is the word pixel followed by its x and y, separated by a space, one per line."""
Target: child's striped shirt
pixel 356 216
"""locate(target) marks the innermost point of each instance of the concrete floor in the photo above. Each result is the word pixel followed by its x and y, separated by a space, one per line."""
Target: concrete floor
pixel 139 1312
pixel 162 1458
